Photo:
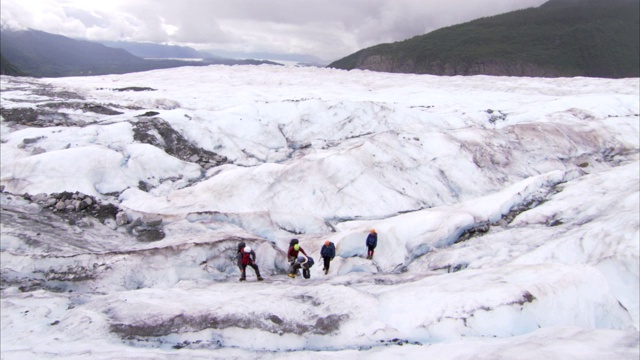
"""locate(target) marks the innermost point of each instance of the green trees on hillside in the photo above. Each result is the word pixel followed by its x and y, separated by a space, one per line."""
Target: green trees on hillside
pixel 599 38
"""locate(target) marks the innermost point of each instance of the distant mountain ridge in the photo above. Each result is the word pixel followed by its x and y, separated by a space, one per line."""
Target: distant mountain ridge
pixel 150 50
pixel 41 54
pixel 593 38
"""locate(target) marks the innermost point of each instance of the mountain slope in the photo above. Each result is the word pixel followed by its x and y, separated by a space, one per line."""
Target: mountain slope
pixel 594 38
pixel 40 54
pixel 149 50
pixel 7 68
pixel 37 53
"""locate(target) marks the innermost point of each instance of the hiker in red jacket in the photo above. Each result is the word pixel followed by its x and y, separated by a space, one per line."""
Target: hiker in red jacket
pixel 249 259
pixel 293 252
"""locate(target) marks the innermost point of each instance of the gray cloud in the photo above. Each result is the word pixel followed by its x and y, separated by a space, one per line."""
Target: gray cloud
pixel 87 18
pixel 328 29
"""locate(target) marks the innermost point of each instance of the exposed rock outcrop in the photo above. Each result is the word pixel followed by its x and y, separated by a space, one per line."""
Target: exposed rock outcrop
pixel 75 207
pixel 155 131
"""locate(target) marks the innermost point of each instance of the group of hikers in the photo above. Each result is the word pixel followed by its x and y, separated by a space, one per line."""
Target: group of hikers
pixel 298 258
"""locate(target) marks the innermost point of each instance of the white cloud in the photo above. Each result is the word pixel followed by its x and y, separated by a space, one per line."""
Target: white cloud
pixel 327 29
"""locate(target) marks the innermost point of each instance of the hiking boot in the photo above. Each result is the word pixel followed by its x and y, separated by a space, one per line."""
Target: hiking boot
pixel 243 279
pixel 260 279
pixel 293 276
pixel 326 271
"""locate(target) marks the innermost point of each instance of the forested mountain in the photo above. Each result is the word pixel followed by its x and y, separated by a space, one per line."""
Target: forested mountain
pixel 595 38
pixel 7 68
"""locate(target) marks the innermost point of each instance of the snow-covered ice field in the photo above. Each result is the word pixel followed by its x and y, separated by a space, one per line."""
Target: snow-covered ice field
pixel 507 212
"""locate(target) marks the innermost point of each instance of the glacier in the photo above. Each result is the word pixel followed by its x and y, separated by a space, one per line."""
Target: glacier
pixel 507 212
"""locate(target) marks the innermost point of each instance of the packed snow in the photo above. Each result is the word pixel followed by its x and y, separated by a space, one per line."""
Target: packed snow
pixel 507 212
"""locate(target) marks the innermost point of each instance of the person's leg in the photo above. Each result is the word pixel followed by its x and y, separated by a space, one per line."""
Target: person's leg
pixel 326 265
pixel 257 271
pixel 243 275
pixel 293 269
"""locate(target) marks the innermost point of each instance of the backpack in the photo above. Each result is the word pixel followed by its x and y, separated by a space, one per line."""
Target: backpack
pixel 246 257
pixel 309 263
pixel 372 240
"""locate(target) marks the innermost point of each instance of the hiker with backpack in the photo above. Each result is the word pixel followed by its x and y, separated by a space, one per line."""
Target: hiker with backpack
pixel 327 253
pixel 249 259
pixel 294 248
pixel 239 255
pixel 372 242
pixel 302 262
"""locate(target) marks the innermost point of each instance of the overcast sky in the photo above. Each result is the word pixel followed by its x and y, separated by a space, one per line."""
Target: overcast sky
pixel 327 29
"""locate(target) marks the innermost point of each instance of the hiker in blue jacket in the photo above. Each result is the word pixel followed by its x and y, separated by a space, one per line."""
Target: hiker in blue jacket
pixel 327 253
pixel 372 242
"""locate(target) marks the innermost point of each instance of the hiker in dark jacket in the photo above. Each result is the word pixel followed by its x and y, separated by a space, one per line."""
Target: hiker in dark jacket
pixel 327 253
pixel 372 242
pixel 292 255
pixel 239 255
pixel 302 262
pixel 249 259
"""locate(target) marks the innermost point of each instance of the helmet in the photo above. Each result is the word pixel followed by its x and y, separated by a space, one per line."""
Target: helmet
pixel 296 247
pixel 247 249
pixel 327 242
pixel 300 258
